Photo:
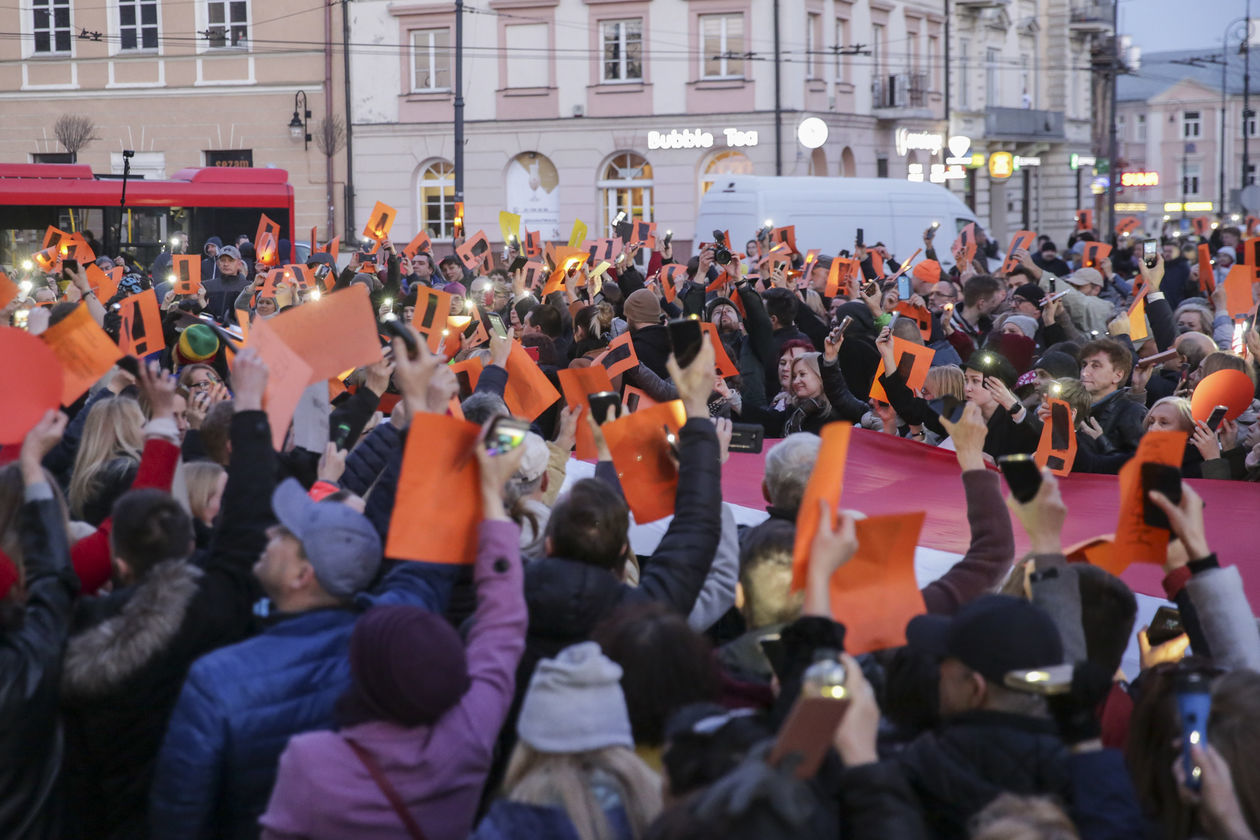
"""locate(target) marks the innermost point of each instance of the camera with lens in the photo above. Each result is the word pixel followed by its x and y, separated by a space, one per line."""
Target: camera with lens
pixel 721 253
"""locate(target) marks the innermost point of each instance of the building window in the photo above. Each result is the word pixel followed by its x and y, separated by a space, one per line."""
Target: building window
pixel 1251 173
pixel 842 38
pixel 725 162
pixel 881 167
pixel 1121 128
pixel 1190 125
pixel 138 24
pixel 1250 123
pixel 437 199
pixel 626 186
pixel 813 31
pixel 992 89
pixel 1140 128
pixel 1190 175
pixel 52 157
pixel 912 53
pixel 431 59
pixel 528 61
pixel 51 26
pixel 622 50
pixel 722 46
pixel 932 53
pixel 229 23
pixel 877 49
pixel 964 92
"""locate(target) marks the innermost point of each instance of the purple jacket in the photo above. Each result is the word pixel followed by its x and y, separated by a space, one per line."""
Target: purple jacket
pixel 324 790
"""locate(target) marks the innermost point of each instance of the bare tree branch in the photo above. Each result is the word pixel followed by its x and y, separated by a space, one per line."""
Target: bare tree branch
pixel 74 131
pixel 330 135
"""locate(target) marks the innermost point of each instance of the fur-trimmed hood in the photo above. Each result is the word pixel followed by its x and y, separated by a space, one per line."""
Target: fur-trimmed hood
pixel 102 657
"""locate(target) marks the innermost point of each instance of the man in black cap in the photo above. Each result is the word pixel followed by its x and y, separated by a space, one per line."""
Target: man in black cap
pixel 992 739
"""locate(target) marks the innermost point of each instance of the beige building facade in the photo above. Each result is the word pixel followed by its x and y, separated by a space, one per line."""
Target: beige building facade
pixel 183 83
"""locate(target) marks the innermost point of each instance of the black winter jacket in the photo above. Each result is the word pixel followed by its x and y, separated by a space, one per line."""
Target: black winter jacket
pixel 960 768
pixel 31 745
pixel 651 345
pixel 126 662
pixel 1121 420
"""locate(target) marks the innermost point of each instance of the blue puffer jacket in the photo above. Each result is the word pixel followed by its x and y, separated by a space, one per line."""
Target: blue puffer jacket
pixel 241 704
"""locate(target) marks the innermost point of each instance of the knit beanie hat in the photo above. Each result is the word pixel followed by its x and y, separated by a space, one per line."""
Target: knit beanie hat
pixel 1058 364
pixel 720 300
pixel 643 307
pixel 927 271
pixel 385 647
pixel 197 343
pixel 1026 324
pixel 575 704
pixel 1032 293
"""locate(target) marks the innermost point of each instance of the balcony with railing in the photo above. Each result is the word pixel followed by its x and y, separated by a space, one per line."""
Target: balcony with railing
pixel 1091 15
pixel 1023 124
pixel 900 95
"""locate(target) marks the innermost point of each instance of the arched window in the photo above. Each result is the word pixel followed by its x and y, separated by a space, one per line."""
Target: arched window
pixel 436 188
pixel 625 186
pixel 725 162
pixel 818 162
pixel 848 165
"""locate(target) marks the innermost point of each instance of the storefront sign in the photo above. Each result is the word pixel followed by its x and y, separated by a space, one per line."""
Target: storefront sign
pixel 1190 207
pixel 959 145
pixel 1026 162
pixel 926 141
pixel 532 187
pixel 1131 207
pixel 1001 165
pixel 1139 179
pixel 1076 161
pixel 938 174
pixel 230 157
pixel 699 139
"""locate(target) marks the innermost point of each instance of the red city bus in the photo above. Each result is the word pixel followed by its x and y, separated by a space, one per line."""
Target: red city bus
pixel 202 202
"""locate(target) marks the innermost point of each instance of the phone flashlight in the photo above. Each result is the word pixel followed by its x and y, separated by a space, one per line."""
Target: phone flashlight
pixel 769 223
pixel 25 287
pixel 389 303
pixel 27 265
pixel 935 225
pixel 171 278
pixel 174 241
pixel 314 294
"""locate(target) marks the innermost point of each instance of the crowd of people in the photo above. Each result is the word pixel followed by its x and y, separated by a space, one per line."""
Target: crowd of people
pixel 203 635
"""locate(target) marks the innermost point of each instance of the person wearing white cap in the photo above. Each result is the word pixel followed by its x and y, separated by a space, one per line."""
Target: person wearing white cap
pixel 524 496
pixel 1223 261
pixel 574 771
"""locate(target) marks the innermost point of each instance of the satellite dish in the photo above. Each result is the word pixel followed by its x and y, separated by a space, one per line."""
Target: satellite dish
pixel 1249 197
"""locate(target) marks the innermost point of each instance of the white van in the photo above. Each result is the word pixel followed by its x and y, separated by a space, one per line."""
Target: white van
pixel 828 211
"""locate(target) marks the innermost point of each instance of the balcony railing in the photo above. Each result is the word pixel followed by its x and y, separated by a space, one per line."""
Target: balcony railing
pixel 903 90
pixel 1022 124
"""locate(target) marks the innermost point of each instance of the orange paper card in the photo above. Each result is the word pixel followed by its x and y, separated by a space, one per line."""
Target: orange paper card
pixel 420 244
pixel 433 307
pixel 1137 542
pixel 467 373
pixel 825 482
pixel 601 250
pixel 53 237
pixel 288 378
pixel 266 226
pixel 105 284
pixel 964 249
pixel 1084 219
pixel 533 243
pixel 1023 239
pixel 1207 279
pixel 529 392
pixel 1094 254
pixel 1230 388
pixel 379 221
pixel 1096 551
pixel 620 355
pixel 86 353
pixel 9 290
pixel 475 252
pixel 333 334
pixel 1057 447
pixel 644 233
pixel 577 384
pixel 141 330
pixel 1238 290
pixel 642 459
pixel 1137 319
pixel 913 361
pixel 438 506
pixel 785 235
pixel 633 399
pixel 187 270
pixel 921 317
pixel 875 593
pixel 723 364
pixel 1128 224
pixel 30 380
pixel 672 276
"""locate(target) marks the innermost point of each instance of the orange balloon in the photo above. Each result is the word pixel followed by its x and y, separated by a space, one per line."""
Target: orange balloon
pixel 1230 388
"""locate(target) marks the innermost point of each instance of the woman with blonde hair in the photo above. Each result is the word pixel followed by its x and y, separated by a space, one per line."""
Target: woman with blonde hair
pixel 205 481
pixel 944 381
pixel 574 770
pixel 106 462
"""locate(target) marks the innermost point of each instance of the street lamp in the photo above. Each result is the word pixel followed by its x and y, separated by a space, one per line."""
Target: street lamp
pixel 300 124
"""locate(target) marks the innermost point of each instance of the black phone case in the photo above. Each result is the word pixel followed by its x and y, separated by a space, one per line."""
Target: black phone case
pixel 1023 477
pixel 1166 480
